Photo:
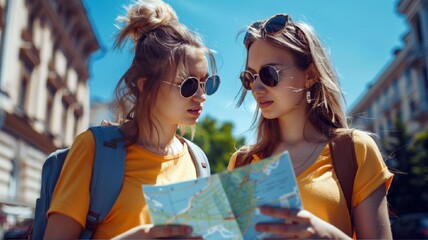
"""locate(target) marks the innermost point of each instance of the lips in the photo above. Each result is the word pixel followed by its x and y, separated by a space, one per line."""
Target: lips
pixel 264 103
pixel 196 111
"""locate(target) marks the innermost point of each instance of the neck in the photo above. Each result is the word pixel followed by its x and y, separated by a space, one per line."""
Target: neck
pixel 292 126
pixel 163 141
pixel 295 128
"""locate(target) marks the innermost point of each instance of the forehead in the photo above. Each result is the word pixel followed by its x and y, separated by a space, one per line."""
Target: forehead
pixel 195 62
pixel 263 52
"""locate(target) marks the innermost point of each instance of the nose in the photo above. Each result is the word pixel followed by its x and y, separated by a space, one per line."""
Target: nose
pixel 257 84
pixel 200 95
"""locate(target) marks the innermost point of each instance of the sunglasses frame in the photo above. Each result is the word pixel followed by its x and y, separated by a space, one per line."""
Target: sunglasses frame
pixel 264 26
pixel 265 82
pixel 202 85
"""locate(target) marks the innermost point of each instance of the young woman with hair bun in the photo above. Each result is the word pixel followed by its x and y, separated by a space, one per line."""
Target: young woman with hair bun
pixel 164 88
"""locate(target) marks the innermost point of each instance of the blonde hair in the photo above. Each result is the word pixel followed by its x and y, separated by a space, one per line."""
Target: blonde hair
pixel 161 44
pixel 326 111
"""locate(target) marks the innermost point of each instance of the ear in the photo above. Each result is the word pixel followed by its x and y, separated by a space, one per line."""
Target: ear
pixel 140 84
pixel 312 76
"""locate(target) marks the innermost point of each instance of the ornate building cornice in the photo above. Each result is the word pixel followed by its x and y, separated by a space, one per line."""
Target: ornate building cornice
pixel 77 25
pixel 19 125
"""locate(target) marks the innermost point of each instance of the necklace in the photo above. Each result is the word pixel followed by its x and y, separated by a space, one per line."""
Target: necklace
pixel 307 159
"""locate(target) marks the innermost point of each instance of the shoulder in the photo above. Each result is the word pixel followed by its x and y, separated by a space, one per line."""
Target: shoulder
pixel 86 138
pixel 240 152
pixel 366 148
pixel 83 146
pixel 364 141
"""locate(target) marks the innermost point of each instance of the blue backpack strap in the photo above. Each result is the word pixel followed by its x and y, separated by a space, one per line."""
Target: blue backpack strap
pixel 199 159
pixel 107 175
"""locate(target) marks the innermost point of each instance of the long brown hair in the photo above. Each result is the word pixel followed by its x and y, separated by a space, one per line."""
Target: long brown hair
pixel 161 44
pixel 326 111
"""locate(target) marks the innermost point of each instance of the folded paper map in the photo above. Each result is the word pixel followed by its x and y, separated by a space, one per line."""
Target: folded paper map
pixel 225 205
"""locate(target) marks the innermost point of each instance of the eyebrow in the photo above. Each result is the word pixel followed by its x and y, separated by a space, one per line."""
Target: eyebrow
pixel 206 76
pixel 203 78
pixel 268 64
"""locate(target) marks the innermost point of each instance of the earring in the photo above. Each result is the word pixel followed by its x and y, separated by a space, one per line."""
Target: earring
pixel 308 97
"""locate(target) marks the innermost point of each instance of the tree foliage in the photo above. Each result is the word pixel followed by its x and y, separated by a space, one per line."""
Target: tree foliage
pixel 409 163
pixel 217 141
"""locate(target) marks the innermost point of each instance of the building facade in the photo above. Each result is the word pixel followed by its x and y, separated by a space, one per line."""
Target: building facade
pixel 45 47
pixel 401 91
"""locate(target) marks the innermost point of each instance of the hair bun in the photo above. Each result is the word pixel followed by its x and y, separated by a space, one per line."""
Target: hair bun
pixel 146 15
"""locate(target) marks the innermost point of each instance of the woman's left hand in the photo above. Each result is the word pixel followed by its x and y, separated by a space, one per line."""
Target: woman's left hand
pixel 299 224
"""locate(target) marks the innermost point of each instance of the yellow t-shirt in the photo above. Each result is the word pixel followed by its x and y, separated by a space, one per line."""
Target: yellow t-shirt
pixel 319 187
pixel 71 195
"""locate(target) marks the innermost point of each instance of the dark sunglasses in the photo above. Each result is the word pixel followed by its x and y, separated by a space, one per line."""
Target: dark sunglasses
pixel 273 25
pixel 190 86
pixel 268 74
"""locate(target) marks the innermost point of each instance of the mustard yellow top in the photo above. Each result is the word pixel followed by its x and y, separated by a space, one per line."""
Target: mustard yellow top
pixel 71 195
pixel 319 187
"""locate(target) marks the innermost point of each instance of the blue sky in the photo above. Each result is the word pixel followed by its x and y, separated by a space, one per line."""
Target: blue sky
pixel 360 34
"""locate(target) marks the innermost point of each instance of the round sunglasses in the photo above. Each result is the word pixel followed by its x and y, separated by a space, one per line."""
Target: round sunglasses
pixel 273 25
pixel 190 86
pixel 268 74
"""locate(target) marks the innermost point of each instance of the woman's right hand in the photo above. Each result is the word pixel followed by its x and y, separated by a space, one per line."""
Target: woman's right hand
pixel 298 224
pixel 150 231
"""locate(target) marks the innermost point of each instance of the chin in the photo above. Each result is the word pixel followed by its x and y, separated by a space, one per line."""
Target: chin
pixel 269 116
pixel 190 122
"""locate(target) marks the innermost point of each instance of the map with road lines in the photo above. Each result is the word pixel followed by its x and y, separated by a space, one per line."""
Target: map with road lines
pixel 225 205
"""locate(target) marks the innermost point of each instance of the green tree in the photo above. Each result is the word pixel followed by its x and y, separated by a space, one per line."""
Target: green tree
pixel 419 170
pixel 409 157
pixel 397 146
pixel 217 141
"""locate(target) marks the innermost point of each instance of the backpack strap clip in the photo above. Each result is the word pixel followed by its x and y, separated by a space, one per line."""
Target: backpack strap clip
pixel 92 220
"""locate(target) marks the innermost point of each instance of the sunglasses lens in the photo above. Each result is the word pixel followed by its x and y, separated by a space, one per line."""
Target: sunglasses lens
pixel 246 79
pixel 212 84
pixel 276 24
pixel 269 76
pixel 189 87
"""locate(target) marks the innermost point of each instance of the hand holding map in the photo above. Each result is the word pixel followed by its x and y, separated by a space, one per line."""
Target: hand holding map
pixel 225 205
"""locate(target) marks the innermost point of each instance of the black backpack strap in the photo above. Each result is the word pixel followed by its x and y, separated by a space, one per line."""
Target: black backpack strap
pixel 345 164
pixel 199 159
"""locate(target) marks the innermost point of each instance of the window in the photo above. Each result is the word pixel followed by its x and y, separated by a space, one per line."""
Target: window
pixel 395 89
pixel 418 31
pixel 23 93
pixel 26 69
pixel 76 122
pixel 425 80
pixel 64 118
pixel 408 79
pixel 412 106
pixel 389 123
pixel 49 101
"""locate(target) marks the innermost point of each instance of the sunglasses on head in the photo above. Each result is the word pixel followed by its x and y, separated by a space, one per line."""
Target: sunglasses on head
pixel 268 74
pixel 190 86
pixel 273 25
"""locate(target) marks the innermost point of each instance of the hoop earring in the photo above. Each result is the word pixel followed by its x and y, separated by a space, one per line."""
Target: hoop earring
pixel 308 97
